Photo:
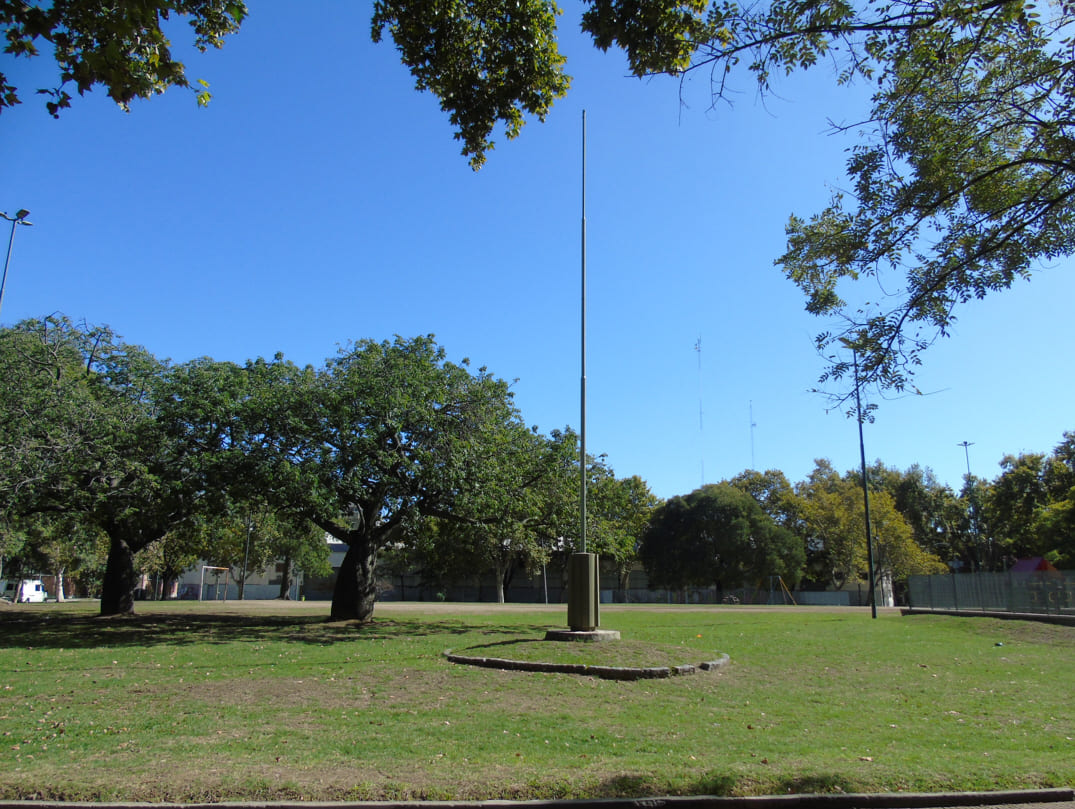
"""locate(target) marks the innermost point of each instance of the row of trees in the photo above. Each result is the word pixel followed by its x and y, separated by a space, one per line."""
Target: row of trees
pixel 758 524
pixel 387 445
pixel 107 451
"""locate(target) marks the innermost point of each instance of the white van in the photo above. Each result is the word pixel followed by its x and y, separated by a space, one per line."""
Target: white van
pixel 24 591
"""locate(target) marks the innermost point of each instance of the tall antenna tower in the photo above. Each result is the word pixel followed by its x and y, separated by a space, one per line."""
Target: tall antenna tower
pixel 701 427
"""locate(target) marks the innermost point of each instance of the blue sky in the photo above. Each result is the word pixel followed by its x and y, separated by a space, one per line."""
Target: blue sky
pixel 321 199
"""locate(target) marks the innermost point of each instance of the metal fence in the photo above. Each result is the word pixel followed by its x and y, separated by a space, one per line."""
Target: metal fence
pixel 1044 592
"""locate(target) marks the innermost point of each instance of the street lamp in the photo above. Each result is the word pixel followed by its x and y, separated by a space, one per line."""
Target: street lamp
pixel 865 481
pixel 18 219
pixel 972 497
pixel 865 492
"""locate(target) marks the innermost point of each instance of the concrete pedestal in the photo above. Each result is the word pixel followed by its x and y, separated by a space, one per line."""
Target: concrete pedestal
pixel 582 593
pixel 591 636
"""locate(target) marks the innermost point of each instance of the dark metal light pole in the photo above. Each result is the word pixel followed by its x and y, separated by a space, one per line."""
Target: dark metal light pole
pixel 18 219
pixel 865 490
pixel 973 506
pixel 246 557
pixel 966 452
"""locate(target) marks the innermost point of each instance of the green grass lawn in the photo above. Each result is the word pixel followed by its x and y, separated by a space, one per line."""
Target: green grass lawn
pixel 271 701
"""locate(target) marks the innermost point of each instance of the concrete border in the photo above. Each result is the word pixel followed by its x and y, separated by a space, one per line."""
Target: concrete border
pixel 1042 617
pixel 886 800
pixel 603 672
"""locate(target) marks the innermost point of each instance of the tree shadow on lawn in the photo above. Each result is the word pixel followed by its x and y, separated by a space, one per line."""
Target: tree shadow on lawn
pixel 43 631
pixel 722 785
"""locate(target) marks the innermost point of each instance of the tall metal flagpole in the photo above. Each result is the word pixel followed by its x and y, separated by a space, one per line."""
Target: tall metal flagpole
pixel 701 430
pixel 584 569
pixel 582 418
pixel 753 424
pixel 584 572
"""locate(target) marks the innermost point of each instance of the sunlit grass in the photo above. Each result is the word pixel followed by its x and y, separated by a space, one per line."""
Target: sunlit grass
pixel 268 701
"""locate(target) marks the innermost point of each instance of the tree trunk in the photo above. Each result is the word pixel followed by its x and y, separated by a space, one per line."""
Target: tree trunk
pixel 120 581
pixel 168 579
pixel 355 593
pixel 499 573
pixel 625 582
pixel 287 578
pixel 59 584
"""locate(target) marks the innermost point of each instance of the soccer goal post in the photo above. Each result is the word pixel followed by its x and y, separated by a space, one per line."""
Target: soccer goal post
pixel 217 591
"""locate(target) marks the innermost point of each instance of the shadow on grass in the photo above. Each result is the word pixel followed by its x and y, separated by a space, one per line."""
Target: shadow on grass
pixel 510 642
pixel 721 785
pixel 634 786
pixel 43 631
pixel 818 784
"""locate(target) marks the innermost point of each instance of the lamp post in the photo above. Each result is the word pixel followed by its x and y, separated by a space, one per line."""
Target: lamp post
pixel 18 219
pixel 972 497
pixel 865 490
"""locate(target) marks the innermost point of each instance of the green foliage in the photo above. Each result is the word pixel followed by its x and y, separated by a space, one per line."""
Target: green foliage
pixel 619 510
pixel 773 493
pixel 247 537
pixel 122 47
pixel 1029 510
pixel 100 431
pixel 658 36
pixel 1013 500
pixel 718 534
pixel 963 182
pixel 488 61
pixel 940 521
pixel 834 519
pixel 964 179
pixel 385 434
pixel 389 446
pixel 514 507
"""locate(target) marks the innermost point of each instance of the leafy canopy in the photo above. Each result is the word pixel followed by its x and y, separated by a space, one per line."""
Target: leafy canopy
pixel 121 46
pixel 488 61
pixel 962 186
pixel 717 534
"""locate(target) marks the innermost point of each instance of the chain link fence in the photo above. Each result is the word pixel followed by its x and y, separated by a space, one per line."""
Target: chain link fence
pixel 1049 592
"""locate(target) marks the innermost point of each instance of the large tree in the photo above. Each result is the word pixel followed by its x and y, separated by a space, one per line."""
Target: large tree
pixel 507 515
pixel 773 493
pixel 718 534
pixel 620 510
pixel 1029 509
pixel 1056 521
pixel 99 429
pixel 939 520
pixel 386 433
pixel 834 519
